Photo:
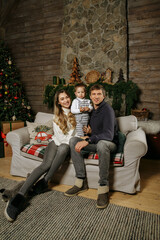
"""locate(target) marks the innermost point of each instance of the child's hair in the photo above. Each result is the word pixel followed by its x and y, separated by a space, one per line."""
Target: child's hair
pixel 60 118
pixel 80 85
pixel 97 87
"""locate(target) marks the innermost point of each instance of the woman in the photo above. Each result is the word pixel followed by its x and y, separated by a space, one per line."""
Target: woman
pixel 56 152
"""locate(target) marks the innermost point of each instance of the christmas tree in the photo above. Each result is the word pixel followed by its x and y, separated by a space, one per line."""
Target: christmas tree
pixel 75 76
pixel 13 102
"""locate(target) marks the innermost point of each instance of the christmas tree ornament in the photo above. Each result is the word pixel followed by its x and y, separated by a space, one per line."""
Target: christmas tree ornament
pixel 1 95
pixel 6 86
pixel 1 73
pixel 6 75
pixel 15 97
pixel 9 61
pixel 14 118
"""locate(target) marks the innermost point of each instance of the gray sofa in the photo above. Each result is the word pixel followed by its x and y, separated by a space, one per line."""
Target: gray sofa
pixel 125 178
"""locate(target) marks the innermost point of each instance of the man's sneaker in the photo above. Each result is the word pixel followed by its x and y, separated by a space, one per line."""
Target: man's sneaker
pixel 79 187
pixel 14 207
pixel 41 186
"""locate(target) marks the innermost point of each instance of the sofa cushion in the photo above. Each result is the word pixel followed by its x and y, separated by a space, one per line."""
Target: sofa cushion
pixel 40 132
pixel 37 151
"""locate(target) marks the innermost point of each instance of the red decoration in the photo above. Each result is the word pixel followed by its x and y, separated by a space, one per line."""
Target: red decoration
pixel 15 97
pixel 1 73
pixel 1 95
pixel 144 109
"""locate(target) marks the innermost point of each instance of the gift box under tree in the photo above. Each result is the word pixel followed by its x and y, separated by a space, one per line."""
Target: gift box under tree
pixel 7 126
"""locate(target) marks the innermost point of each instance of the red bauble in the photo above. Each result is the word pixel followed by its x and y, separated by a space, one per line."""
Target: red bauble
pixel 1 73
pixel 15 84
pixel 1 95
pixel 15 98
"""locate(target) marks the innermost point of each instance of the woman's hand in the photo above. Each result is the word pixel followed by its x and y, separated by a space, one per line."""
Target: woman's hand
pixel 87 129
pixel 80 145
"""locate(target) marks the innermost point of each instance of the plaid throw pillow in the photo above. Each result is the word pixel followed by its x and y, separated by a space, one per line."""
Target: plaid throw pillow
pixel 116 159
pixel 33 149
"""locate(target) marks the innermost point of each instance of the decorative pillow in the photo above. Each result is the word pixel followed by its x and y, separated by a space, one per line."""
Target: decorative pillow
pixel 40 133
pixel 34 149
pixel 117 159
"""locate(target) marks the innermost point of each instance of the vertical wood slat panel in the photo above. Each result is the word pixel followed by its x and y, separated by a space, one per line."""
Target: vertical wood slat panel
pixel 33 33
pixel 144 51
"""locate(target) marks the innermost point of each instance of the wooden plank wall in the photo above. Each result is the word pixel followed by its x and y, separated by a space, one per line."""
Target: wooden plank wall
pixel 144 51
pixel 33 32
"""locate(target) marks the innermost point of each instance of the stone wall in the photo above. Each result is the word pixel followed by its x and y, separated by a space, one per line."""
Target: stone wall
pixel 95 32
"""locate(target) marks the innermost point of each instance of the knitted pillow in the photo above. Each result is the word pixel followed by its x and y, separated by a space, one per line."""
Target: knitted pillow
pixel 121 142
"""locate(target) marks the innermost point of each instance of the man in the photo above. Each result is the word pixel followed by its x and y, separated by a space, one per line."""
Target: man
pixel 102 131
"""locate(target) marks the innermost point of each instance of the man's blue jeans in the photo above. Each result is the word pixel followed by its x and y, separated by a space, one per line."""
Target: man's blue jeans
pixel 103 149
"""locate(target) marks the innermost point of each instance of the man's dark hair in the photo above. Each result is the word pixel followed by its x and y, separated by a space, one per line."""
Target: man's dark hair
pixel 97 87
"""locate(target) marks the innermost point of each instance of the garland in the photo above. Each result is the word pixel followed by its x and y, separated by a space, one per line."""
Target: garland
pixel 119 92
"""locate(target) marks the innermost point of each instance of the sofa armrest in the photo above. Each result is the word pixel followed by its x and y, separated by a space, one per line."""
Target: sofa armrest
pixel 135 146
pixel 18 137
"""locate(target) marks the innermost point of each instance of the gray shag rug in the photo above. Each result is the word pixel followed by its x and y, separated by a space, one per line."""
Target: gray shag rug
pixel 53 216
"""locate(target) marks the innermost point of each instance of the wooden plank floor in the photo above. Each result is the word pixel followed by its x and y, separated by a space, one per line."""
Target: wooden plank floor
pixel 147 200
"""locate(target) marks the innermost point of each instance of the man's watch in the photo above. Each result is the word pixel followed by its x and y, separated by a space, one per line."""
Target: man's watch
pixel 88 140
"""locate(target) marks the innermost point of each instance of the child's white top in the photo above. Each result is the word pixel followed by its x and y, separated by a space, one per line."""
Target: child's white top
pixel 75 109
pixel 59 137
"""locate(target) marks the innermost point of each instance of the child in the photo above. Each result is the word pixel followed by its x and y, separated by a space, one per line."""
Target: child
pixel 81 108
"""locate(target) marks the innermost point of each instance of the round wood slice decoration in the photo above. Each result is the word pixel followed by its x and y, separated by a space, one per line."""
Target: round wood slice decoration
pixel 92 76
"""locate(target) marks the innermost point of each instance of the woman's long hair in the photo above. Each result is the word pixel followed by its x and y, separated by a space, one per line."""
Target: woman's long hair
pixel 60 118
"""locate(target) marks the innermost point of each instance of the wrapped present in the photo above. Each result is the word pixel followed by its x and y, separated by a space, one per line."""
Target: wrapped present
pixel 10 126
pixel 5 128
pixel 1 149
pixel 7 149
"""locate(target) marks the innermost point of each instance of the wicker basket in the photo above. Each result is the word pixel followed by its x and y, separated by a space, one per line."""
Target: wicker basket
pixel 140 114
pixel 92 76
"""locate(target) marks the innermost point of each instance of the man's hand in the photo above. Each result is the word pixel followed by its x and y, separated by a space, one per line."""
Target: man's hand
pixel 80 145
